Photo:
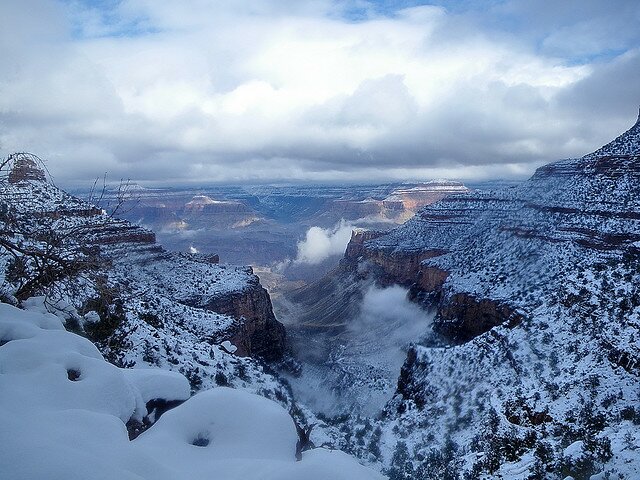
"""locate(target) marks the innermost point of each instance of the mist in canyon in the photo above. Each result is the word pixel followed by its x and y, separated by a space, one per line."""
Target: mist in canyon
pixel 349 339
pixel 354 368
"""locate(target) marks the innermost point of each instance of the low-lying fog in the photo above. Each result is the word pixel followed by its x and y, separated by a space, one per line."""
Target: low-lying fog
pixel 354 368
pixel 357 369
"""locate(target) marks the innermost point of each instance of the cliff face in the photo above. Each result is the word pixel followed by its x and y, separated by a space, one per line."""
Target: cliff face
pixel 25 168
pixel 354 209
pixel 202 209
pixel 535 289
pixel 505 247
pixel 191 293
pixel 401 204
pixel 256 332
pixel 409 200
pixel 464 317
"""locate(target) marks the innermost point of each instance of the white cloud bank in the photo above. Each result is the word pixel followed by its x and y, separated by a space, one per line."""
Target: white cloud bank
pixel 388 318
pixel 381 334
pixel 234 91
pixel 321 243
pixel 360 371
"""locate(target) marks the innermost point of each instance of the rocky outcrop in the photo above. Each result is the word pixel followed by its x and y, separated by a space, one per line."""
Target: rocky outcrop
pixel 410 200
pixel 354 209
pixel 398 267
pixel 463 317
pixel 401 203
pixel 25 168
pixel 389 266
pixel 355 247
pixel 257 333
pixel 460 317
pixel 431 279
pixel 226 302
pixel 407 388
pixel 122 232
pixel 202 204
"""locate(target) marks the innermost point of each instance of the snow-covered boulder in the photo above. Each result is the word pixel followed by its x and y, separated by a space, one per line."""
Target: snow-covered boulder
pixel 222 423
pixel 63 410
pixel 153 383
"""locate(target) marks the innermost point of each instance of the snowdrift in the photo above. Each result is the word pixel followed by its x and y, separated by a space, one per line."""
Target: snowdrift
pixel 63 410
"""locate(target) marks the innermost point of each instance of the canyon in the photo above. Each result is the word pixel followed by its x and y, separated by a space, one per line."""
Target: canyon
pixel 485 332
pixel 261 225
pixel 536 315
pixel 141 303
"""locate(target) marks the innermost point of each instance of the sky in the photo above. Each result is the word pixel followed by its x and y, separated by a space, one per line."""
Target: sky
pixel 262 91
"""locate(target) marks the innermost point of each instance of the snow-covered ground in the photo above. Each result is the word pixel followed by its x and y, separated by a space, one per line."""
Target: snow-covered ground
pixel 63 410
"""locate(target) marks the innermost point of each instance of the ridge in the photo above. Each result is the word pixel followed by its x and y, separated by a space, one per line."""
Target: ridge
pixel 25 167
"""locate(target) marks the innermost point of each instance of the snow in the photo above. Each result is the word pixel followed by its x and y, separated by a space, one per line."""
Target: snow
pixel 165 313
pixel 63 410
pixel 91 317
pixel 574 450
pixel 35 376
pixel 69 445
pixel 321 464
pixel 239 436
pixel 232 423
pixel 24 325
pixel 562 250
pixel 154 383
pixel 534 247
pixel 228 346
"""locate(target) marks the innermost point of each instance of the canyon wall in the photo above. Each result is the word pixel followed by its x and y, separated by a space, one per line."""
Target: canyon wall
pixel 256 332
pixel 225 302
pixel 484 258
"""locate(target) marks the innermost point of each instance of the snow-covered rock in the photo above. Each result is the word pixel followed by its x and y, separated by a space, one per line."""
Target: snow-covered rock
pixel 144 306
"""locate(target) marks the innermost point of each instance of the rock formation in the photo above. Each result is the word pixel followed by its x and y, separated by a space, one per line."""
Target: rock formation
pixel 25 168
pixel 400 205
pixel 489 247
pixel 231 298
pixel 535 289
pixel 407 201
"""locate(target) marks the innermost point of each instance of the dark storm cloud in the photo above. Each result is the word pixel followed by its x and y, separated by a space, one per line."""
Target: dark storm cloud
pixel 251 91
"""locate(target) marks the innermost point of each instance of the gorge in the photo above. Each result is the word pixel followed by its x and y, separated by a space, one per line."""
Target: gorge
pixel 491 335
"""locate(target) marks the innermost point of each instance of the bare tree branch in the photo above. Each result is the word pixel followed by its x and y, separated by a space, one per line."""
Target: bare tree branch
pixel 44 250
pixel 113 205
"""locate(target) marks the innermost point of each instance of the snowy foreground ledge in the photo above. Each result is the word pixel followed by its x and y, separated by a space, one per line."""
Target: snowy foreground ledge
pixel 63 410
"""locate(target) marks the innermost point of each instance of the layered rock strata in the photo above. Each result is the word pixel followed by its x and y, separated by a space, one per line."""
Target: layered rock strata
pixel 237 306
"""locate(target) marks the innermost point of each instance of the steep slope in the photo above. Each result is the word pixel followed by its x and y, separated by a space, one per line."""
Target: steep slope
pixel 143 305
pixel 532 369
pixel 514 246
pixel 407 201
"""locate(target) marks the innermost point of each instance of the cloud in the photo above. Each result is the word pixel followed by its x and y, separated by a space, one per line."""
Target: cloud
pixel 380 335
pixel 320 90
pixel 321 243
pixel 358 368
pixel 390 319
